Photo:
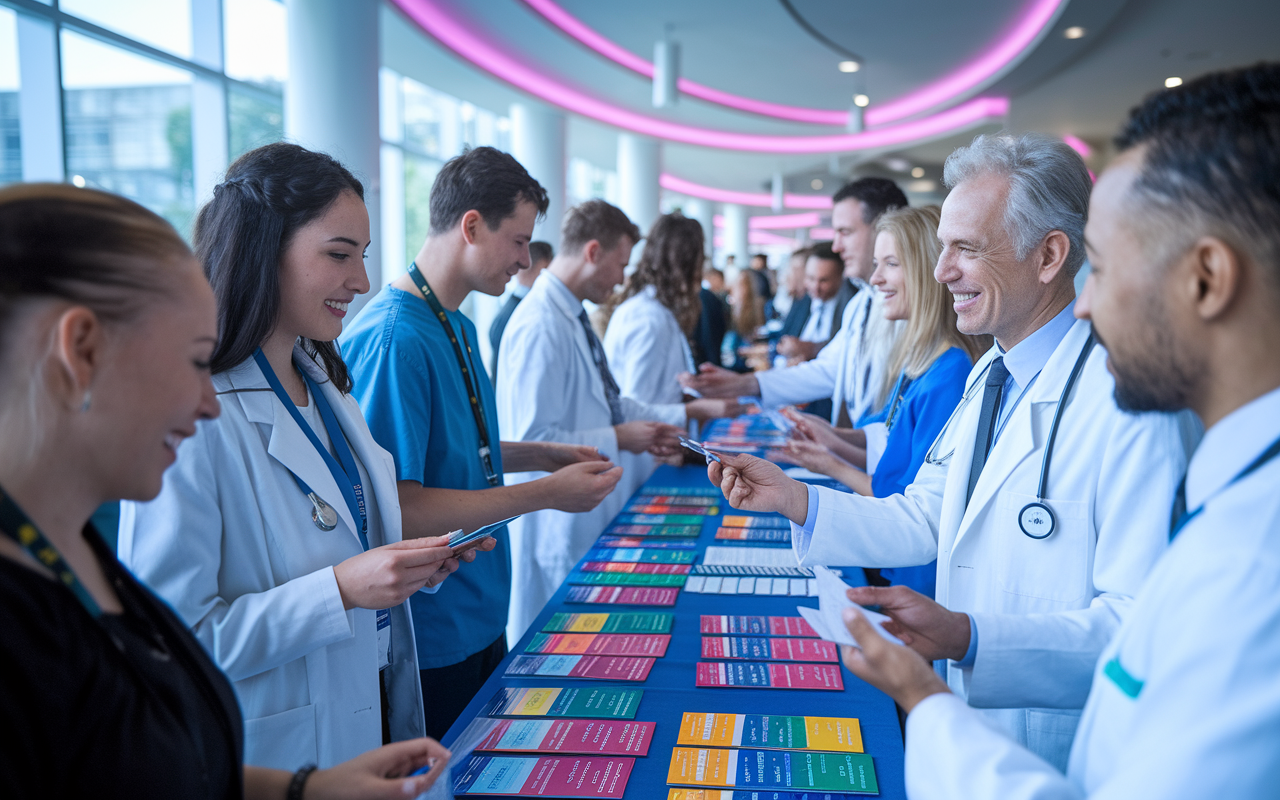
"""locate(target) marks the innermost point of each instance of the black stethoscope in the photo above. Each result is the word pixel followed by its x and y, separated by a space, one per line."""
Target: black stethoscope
pixel 1037 519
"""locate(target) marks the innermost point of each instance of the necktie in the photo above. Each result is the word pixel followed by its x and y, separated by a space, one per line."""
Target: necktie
pixel 996 377
pixel 1179 516
pixel 611 391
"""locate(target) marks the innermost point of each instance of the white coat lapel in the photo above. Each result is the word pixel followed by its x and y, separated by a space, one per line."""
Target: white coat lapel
pixel 1028 427
pixel 287 444
pixel 570 311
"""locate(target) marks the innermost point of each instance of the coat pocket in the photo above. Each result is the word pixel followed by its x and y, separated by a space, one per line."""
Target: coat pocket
pixel 1056 568
pixel 282 741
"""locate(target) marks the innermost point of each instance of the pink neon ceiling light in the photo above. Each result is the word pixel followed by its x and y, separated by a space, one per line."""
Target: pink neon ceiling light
pixel 776 221
pixel 1029 28
pixel 435 19
pixel 680 185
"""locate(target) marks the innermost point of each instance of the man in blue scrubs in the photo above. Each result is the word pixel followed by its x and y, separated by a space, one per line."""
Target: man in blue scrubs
pixel 417 374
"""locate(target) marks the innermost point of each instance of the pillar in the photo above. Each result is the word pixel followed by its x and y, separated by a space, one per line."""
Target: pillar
pixel 639 164
pixel 331 99
pixel 735 233
pixel 704 211
pixel 538 143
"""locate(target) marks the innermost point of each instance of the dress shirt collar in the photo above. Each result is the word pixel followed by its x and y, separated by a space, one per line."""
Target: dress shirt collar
pixel 1026 358
pixel 520 290
pixel 560 294
pixel 1232 445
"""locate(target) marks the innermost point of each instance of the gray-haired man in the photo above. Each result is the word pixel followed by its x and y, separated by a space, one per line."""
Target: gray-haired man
pixel 1038 557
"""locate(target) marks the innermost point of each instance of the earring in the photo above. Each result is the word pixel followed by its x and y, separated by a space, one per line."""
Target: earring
pixel 88 398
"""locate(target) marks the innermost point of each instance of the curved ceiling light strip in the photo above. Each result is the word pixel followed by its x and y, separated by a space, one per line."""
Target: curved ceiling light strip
pixel 435 19
pixel 807 219
pixel 680 185
pixel 1001 57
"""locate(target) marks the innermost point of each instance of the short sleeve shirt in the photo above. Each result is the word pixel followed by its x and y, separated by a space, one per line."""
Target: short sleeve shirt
pixel 407 381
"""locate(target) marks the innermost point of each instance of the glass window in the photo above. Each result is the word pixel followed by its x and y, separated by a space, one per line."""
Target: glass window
pixel 165 24
pixel 10 136
pixel 419 174
pixel 255 119
pixel 128 126
pixel 256 41
pixel 586 181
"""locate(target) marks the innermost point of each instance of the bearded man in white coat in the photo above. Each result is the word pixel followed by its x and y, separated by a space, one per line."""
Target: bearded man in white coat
pixel 1023 610
pixel 1185 246
pixel 554 384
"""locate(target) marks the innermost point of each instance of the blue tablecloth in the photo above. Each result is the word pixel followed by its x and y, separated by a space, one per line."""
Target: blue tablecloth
pixel 669 692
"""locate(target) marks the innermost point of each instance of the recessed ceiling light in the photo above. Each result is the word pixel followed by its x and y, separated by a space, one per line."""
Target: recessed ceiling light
pixel 816 183
pixel 861 100
pixel 917 172
pixel 897 164
pixel 848 66
pixel 1169 83
pixel 1074 32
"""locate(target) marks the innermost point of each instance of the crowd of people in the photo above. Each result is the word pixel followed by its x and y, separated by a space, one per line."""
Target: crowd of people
pixel 1064 504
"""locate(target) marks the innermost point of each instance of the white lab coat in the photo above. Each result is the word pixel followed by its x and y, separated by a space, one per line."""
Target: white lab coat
pixel 1044 609
pixel 549 390
pixel 849 370
pixel 646 351
pixel 1203 637
pixel 230 544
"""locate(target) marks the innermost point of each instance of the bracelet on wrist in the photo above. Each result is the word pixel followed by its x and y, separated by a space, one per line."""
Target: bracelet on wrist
pixel 298 781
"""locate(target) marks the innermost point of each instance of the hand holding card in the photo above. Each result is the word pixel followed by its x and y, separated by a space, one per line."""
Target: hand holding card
pixel 697 447
pixel 462 542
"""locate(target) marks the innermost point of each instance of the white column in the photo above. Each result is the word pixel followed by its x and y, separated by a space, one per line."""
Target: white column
pixel 209 127
pixel 735 233
pixel 331 98
pixel 704 211
pixel 639 164
pixel 538 143
pixel 39 100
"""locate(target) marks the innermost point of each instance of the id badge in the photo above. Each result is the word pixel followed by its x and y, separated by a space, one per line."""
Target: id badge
pixel 384 638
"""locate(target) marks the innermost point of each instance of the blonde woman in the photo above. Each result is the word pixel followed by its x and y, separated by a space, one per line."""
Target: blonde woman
pixel 924 376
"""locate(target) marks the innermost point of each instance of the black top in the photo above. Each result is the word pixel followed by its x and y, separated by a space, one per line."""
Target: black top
pixel 708 337
pixel 495 331
pixel 126 706
pixel 797 316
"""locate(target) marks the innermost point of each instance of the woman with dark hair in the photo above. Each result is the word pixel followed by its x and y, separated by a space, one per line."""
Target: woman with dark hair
pixel 277 536
pixel 107 328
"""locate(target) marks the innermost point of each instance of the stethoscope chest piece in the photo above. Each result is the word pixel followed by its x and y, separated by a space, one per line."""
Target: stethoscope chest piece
pixel 1036 520
pixel 322 514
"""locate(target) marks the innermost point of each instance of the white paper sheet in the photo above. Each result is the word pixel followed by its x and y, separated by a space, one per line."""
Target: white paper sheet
pixel 751 556
pixel 828 619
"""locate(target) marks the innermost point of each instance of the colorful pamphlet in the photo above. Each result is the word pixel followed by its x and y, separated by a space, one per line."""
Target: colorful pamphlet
pixel 599 668
pixel 773 535
pixel 773 769
pixel 676 500
pixel 589 737
pixel 832 734
pixel 682 491
pixel 775 522
pixel 755 675
pixel 543 776
pixel 609 623
pixel 641 554
pixel 623 595
pixel 660 519
pixel 665 508
pixel 648 541
pixel 760 648
pixel 757 626
pixel 638 568
pixel 748 794
pixel 604 703
pixel 677 531
pixel 624 579
pixel 649 645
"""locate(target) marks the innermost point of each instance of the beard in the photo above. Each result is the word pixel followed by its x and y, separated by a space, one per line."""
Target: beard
pixel 1160 377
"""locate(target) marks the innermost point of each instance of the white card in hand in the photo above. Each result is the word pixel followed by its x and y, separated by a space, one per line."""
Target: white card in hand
pixel 831 605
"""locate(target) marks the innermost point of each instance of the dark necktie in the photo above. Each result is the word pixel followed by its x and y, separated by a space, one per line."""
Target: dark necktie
pixel 996 376
pixel 611 391
pixel 1178 515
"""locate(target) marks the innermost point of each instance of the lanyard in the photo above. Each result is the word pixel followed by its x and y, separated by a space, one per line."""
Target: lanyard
pixel 898 392
pixel 346 474
pixel 18 526
pixel 1181 516
pixel 468 373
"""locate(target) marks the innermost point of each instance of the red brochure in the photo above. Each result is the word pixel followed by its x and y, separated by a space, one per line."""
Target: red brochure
pixel 758 626
pixel 546 776
pixel 623 595
pixel 601 668
pixel 760 648
pixel 651 645
pixel 754 675
pixel 637 568
pixel 586 736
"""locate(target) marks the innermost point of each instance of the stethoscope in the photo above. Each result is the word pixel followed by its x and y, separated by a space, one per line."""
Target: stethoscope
pixel 1035 519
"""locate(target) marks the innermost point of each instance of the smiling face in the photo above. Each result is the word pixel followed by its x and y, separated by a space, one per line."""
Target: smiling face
pixel 994 291
pixel 821 278
pixel 152 385
pixel 855 238
pixel 322 270
pixel 889 278
pixel 492 257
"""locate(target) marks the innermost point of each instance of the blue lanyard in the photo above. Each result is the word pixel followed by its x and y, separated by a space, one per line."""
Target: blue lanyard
pixel 1181 516
pixel 898 391
pixel 345 474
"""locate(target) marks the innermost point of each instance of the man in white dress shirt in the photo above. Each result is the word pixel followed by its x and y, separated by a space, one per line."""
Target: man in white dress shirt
pixel 1023 609
pixel 849 369
pixel 1184 241
pixel 829 293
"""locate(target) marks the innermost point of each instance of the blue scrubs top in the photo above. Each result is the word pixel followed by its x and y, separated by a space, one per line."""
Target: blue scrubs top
pixel 924 410
pixel 407 381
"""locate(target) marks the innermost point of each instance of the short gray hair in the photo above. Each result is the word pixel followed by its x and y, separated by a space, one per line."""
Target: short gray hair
pixel 1049 187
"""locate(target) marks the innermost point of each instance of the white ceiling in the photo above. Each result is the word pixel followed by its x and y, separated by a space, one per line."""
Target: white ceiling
pixel 753 48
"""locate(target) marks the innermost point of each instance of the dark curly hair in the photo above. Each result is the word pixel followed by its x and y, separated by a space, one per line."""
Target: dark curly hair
pixel 240 235
pixel 671 263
